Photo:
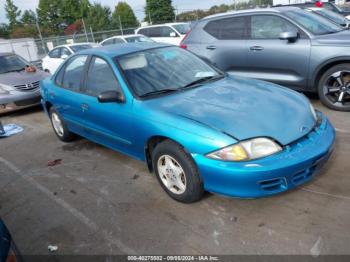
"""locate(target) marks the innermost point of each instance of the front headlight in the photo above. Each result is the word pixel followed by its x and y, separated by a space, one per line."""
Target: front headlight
pixel 313 112
pixel 247 150
pixel 5 89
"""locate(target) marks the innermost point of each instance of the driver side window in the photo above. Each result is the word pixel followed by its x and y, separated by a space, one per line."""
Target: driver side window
pixel 269 27
pixel 100 78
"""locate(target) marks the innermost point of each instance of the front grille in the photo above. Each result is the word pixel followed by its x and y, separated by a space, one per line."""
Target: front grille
pixel 273 185
pixel 28 102
pixel 28 87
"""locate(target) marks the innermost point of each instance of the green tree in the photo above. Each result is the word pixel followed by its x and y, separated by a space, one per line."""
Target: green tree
pixel 4 31
pixel 98 17
pixel 12 13
pixel 159 11
pixel 126 15
pixel 84 8
pixel 70 11
pixel 28 17
pixel 49 15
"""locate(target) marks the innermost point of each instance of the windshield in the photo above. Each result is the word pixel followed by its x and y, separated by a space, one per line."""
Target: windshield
pixel 77 48
pixel 137 39
pixel 12 63
pixel 182 28
pixel 169 68
pixel 337 18
pixel 314 23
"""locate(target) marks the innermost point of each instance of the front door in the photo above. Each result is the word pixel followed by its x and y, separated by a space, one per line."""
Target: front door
pixel 105 123
pixel 269 58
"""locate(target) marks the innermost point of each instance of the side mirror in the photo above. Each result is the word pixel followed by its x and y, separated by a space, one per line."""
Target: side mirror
pixel 110 97
pixel 173 34
pixel 291 36
pixel 64 57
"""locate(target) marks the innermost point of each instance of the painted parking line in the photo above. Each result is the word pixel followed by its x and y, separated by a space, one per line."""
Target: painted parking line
pixel 73 211
pixel 324 193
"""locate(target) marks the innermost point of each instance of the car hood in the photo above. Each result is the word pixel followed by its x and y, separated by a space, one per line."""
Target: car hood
pixel 243 108
pixel 20 78
pixel 340 38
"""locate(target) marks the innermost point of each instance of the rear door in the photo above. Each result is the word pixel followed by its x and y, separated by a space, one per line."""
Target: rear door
pixel 54 60
pixel 65 94
pixel 275 60
pixel 225 43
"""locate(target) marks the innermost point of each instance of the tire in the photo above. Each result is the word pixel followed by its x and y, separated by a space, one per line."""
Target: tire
pixel 190 185
pixel 61 132
pixel 334 87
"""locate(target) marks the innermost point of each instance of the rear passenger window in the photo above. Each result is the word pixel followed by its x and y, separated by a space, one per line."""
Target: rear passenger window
pixel 228 28
pixel 73 73
pixel 143 31
pixel 154 32
pixel 269 27
pixel 100 78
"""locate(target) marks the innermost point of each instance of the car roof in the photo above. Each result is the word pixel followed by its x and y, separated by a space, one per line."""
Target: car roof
pixel 6 53
pixel 279 9
pixel 75 44
pixel 123 49
pixel 166 24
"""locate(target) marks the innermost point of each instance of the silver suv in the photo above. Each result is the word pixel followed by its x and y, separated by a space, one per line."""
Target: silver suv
pixel 284 45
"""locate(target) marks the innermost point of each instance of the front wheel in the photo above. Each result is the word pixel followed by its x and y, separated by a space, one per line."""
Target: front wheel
pixel 177 172
pixel 334 87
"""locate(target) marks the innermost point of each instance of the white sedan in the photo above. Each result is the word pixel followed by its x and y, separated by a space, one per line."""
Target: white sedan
pixel 121 39
pixel 58 54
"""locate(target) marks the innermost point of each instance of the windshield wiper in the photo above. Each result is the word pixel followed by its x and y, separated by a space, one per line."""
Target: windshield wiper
pixel 202 80
pixel 158 92
pixel 14 70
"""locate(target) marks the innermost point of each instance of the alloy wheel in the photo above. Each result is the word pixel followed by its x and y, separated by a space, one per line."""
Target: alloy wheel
pixel 57 124
pixel 337 88
pixel 171 174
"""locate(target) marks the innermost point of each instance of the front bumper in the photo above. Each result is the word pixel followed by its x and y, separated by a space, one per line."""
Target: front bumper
pixel 295 165
pixel 19 100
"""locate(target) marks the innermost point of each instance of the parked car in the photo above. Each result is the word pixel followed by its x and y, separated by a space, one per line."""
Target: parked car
pixel 195 126
pixel 332 16
pixel 284 45
pixel 58 54
pixel 19 83
pixel 171 33
pixel 327 5
pixel 8 249
pixel 121 39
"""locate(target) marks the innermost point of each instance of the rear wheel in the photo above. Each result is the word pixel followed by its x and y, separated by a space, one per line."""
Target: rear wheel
pixel 334 87
pixel 60 127
pixel 177 172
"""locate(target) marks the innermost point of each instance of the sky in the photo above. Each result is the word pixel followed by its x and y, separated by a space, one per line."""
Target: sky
pixel 137 5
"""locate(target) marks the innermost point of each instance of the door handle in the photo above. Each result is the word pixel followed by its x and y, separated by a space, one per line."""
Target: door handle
pixel 84 107
pixel 211 47
pixel 256 48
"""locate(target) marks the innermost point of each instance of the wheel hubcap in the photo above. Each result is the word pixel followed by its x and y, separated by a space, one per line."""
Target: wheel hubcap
pixel 337 88
pixel 57 124
pixel 171 174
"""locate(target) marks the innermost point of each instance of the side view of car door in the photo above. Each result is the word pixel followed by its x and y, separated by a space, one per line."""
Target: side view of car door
pixel 225 43
pixel 277 51
pixel 65 93
pixel 105 122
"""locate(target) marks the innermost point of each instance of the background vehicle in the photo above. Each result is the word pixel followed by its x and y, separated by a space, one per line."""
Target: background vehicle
pixel 121 39
pixel 195 126
pixel 285 45
pixel 171 33
pixel 19 88
pixel 8 249
pixel 57 55
pixel 334 17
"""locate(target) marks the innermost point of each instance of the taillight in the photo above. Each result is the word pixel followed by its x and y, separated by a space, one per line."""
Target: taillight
pixel 318 4
pixel 12 254
pixel 182 45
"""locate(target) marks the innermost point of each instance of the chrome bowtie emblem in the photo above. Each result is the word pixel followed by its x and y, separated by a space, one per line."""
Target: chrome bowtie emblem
pixel 29 85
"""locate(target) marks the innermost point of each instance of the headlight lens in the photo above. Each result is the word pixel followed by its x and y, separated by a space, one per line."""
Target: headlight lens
pixel 4 89
pixel 313 112
pixel 247 150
